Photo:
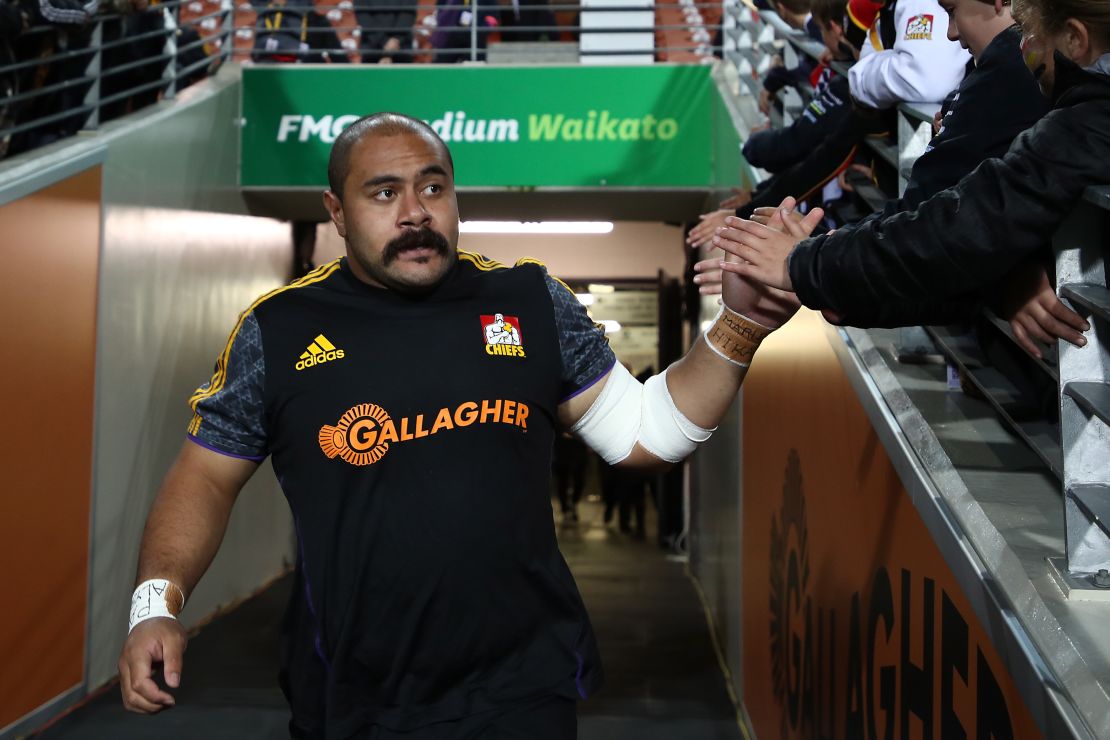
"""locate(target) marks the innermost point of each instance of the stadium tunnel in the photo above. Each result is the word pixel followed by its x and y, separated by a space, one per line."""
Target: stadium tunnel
pixel 859 545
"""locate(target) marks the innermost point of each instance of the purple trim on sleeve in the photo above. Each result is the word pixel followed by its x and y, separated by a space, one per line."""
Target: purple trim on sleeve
pixel 578 676
pixel 590 384
pixel 205 445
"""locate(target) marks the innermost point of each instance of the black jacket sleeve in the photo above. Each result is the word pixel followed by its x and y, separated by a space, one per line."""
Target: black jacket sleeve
pixel 779 77
pixel 964 238
pixel 823 163
pixel 776 149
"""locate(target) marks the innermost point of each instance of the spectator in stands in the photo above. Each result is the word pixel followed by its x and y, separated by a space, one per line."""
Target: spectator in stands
pixel 453 35
pixel 821 144
pixel 386 30
pixel 776 149
pixel 291 32
pixel 132 37
pixel 15 18
pixel 935 263
pixel 796 14
pixel 191 53
pixel 997 100
pixel 64 60
pixel 906 56
pixel 528 20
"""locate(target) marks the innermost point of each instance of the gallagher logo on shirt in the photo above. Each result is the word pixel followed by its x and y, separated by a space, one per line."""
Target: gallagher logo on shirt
pixel 919 28
pixel 502 335
pixel 365 432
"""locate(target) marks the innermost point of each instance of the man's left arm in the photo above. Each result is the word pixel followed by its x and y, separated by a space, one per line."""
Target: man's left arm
pixel 656 424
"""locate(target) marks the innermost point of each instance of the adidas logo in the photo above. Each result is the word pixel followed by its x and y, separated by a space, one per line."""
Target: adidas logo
pixel 319 352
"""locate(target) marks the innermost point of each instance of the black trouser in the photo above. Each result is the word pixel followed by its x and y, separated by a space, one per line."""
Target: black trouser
pixel 552 718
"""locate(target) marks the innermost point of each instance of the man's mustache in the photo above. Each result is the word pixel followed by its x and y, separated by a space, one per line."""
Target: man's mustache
pixel 422 237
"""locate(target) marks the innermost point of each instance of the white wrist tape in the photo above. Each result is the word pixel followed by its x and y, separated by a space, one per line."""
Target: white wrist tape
pixel 155 598
pixel 627 412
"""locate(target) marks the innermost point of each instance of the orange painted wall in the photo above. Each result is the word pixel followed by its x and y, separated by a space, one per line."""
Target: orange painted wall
pixel 853 624
pixel 50 244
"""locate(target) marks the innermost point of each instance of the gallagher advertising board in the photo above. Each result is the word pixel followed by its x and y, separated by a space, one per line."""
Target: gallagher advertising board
pixel 853 626
pixel 520 127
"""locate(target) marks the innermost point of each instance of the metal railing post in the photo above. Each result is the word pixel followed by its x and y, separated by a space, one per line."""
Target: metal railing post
pixel 1084 395
pixel 92 97
pixel 474 31
pixel 170 72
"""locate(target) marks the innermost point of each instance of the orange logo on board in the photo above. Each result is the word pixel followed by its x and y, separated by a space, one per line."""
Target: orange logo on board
pixel 365 432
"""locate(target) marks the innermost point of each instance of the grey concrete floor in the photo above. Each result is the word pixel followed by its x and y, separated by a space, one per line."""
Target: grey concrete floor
pixel 662 677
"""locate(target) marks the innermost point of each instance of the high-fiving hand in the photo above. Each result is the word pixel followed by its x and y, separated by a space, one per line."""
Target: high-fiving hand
pixel 764 249
pixel 767 305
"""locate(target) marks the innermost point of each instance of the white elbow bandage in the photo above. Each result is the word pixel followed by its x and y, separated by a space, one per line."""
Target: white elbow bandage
pixel 155 598
pixel 626 412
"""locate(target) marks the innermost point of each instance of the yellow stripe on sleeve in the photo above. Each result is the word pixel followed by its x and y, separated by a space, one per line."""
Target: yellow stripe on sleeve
pixel 220 376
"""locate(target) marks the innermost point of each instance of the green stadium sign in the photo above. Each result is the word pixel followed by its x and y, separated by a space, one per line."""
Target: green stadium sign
pixel 659 126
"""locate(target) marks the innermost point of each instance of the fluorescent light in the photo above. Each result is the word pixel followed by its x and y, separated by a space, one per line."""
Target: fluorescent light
pixel 586 299
pixel 611 327
pixel 535 227
pixel 596 288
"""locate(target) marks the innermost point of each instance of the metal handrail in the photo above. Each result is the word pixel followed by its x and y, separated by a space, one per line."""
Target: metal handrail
pixel 47 89
pixel 554 7
pixel 39 122
pixel 166 75
pixel 233 28
pixel 62 56
pixel 486 29
pixel 457 49
pixel 481 30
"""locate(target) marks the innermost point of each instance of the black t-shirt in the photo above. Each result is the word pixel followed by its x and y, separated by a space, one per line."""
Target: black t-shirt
pixel 412 438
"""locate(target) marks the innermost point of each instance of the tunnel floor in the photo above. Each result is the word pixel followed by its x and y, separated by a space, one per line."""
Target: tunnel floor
pixel 662 676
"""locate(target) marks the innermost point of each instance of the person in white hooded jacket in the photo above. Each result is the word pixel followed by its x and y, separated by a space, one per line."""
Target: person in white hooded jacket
pixel 907 56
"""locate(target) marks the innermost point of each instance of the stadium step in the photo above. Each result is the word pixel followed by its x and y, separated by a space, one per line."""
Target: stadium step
pixel 1092 298
pixel 1094 398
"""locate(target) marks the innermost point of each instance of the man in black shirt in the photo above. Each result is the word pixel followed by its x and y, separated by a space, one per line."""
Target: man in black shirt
pixel 433 599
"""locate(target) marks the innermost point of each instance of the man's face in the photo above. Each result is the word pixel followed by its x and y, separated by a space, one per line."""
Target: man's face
pixel 973 23
pixel 399 216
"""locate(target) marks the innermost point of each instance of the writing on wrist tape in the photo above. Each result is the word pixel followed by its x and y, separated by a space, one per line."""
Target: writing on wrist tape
pixel 735 337
pixel 155 598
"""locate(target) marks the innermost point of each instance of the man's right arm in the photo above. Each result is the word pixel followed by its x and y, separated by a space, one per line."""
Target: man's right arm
pixel 227 440
pixel 182 535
